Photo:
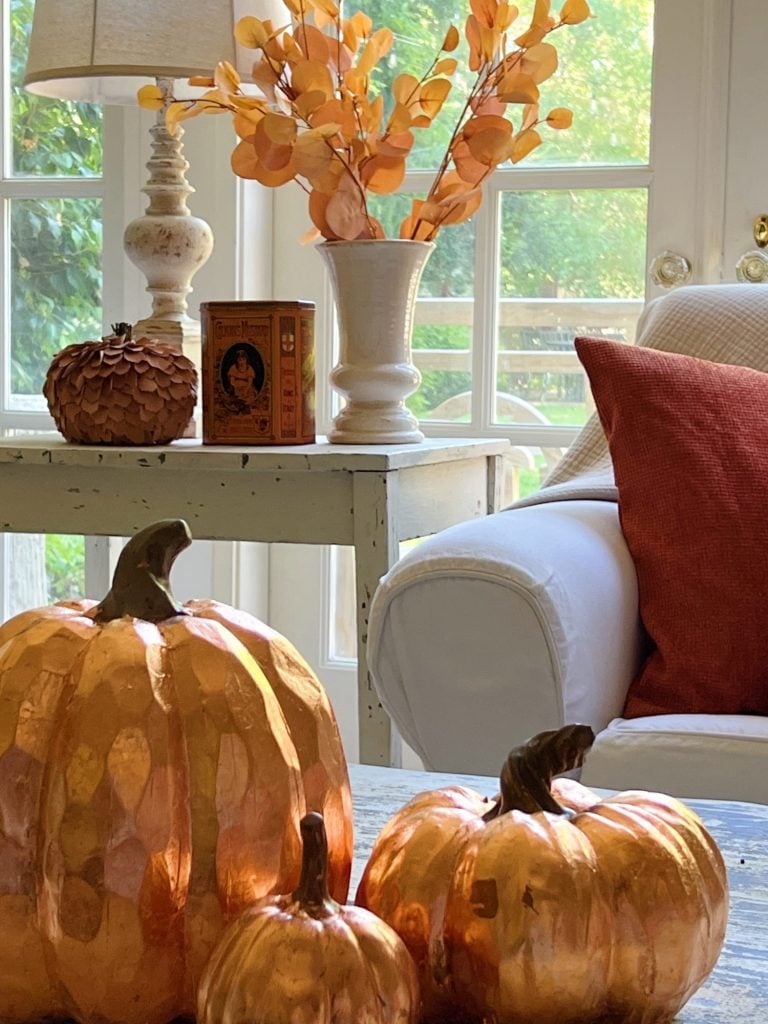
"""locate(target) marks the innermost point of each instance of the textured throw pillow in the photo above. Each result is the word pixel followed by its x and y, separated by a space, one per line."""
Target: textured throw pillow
pixel 689 444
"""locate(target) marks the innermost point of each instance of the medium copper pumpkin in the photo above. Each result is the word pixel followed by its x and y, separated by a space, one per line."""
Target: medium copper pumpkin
pixel 550 905
pixel 301 958
pixel 155 763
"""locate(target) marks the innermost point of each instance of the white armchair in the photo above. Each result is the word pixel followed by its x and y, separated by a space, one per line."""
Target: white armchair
pixel 526 620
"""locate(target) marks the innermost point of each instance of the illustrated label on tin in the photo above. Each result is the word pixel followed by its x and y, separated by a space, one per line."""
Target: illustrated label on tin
pixel 258 372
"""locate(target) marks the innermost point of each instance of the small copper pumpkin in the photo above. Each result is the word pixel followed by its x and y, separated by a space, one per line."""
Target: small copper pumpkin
pixel 550 905
pixel 120 391
pixel 302 957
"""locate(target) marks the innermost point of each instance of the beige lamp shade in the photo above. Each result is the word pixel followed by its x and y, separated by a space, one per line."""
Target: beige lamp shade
pixel 99 50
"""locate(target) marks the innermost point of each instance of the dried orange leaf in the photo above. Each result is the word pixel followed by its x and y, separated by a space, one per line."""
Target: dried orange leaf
pixel 313 43
pixel 574 12
pixel 451 40
pixel 226 78
pixel 200 81
pixel 325 6
pixel 446 66
pixel 540 62
pixel 312 76
pixel 481 122
pixel 517 87
pixel 306 104
pixel 244 160
pixel 397 144
pixel 472 32
pixel 335 112
pixel 150 97
pixel 413 226
pixel 244 122
pixel 560 117
pixel 530 115
pixel 310 235
pixel 276 178
pixel 279 129
pixel 459 211
pixel 251 32
pixel 490 146
pixel 313 156
pixel 383 174
pixel 505 15
pixel 182 111
pixel 344 214
pixel 405 88
pixel 378 44
pixel 349 35
pixel 356 81
pixel 523 144
pixel 541 13
pixel 488 105
pixel 362 23
pixel 484 11
pixel 265 77
pixel 468 168
pixel 400 120
pixel 433 94
pixel 532 36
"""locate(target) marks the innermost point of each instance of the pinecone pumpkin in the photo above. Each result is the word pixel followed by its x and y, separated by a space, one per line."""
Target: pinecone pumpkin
pixel 120 391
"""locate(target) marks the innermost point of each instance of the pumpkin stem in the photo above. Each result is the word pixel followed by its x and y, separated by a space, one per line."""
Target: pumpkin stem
pixel 122 331
pixel 140 586
pixel 528 771
pixel 312 891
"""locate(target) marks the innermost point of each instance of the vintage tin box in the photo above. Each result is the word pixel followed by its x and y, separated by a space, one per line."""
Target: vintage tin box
pixel 258 372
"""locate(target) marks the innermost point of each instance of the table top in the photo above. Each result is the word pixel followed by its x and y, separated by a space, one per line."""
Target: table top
pixel 187 453
pixel 737 991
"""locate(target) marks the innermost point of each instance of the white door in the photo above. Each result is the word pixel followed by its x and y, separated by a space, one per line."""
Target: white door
pixel 661 173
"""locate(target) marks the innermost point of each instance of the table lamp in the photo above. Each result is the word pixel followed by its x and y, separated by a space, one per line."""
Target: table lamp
pixel 103 51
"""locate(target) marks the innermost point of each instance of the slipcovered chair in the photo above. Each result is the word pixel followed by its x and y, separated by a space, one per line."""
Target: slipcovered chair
pixel 525 620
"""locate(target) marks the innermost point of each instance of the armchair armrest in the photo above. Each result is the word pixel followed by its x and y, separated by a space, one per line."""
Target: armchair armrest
pixel 504 626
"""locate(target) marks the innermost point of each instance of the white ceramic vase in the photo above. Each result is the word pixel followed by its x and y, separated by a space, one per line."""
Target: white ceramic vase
pixel 375 285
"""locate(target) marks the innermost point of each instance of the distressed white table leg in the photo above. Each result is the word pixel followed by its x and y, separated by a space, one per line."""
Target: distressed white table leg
pixel 495 482
pixel 376 550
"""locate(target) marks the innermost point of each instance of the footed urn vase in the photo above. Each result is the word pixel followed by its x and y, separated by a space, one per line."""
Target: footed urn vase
pixel 375 284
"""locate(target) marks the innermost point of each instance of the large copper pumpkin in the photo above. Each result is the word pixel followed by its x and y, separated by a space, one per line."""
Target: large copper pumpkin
pixel 301 958
pixel 155 764
pixel 534 911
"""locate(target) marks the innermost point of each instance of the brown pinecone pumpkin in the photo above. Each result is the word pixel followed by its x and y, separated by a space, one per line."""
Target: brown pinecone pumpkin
pixel 120 391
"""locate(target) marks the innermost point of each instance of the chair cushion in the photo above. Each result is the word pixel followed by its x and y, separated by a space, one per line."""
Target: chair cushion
pixel 721 757
pixel 689 444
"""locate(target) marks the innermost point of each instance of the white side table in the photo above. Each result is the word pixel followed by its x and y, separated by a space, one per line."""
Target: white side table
pixel 368 496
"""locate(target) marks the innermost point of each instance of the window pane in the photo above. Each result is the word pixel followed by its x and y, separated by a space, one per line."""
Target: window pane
pixel 55 284
pixel 65 566
pixel 571 262
pixel 50 137
pixel 604 76
pixel 419 27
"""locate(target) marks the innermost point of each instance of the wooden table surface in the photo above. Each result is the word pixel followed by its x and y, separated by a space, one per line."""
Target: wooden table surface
pixel 737 990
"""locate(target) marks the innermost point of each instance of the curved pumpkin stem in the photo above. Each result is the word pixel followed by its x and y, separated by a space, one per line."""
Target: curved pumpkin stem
pixel 312 891
pixel 140 586
pixel 528 771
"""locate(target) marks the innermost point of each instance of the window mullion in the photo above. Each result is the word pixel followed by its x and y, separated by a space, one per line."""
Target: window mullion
pixel 484 319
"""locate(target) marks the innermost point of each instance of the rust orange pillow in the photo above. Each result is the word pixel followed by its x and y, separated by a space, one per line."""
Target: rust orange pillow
pixel 689 444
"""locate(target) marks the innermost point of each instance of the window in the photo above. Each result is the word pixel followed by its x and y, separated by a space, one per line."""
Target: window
pixel 557 249
pixel 51 221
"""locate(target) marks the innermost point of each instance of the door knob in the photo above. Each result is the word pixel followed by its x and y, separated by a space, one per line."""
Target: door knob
pixel 670 269
pixel 752 268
